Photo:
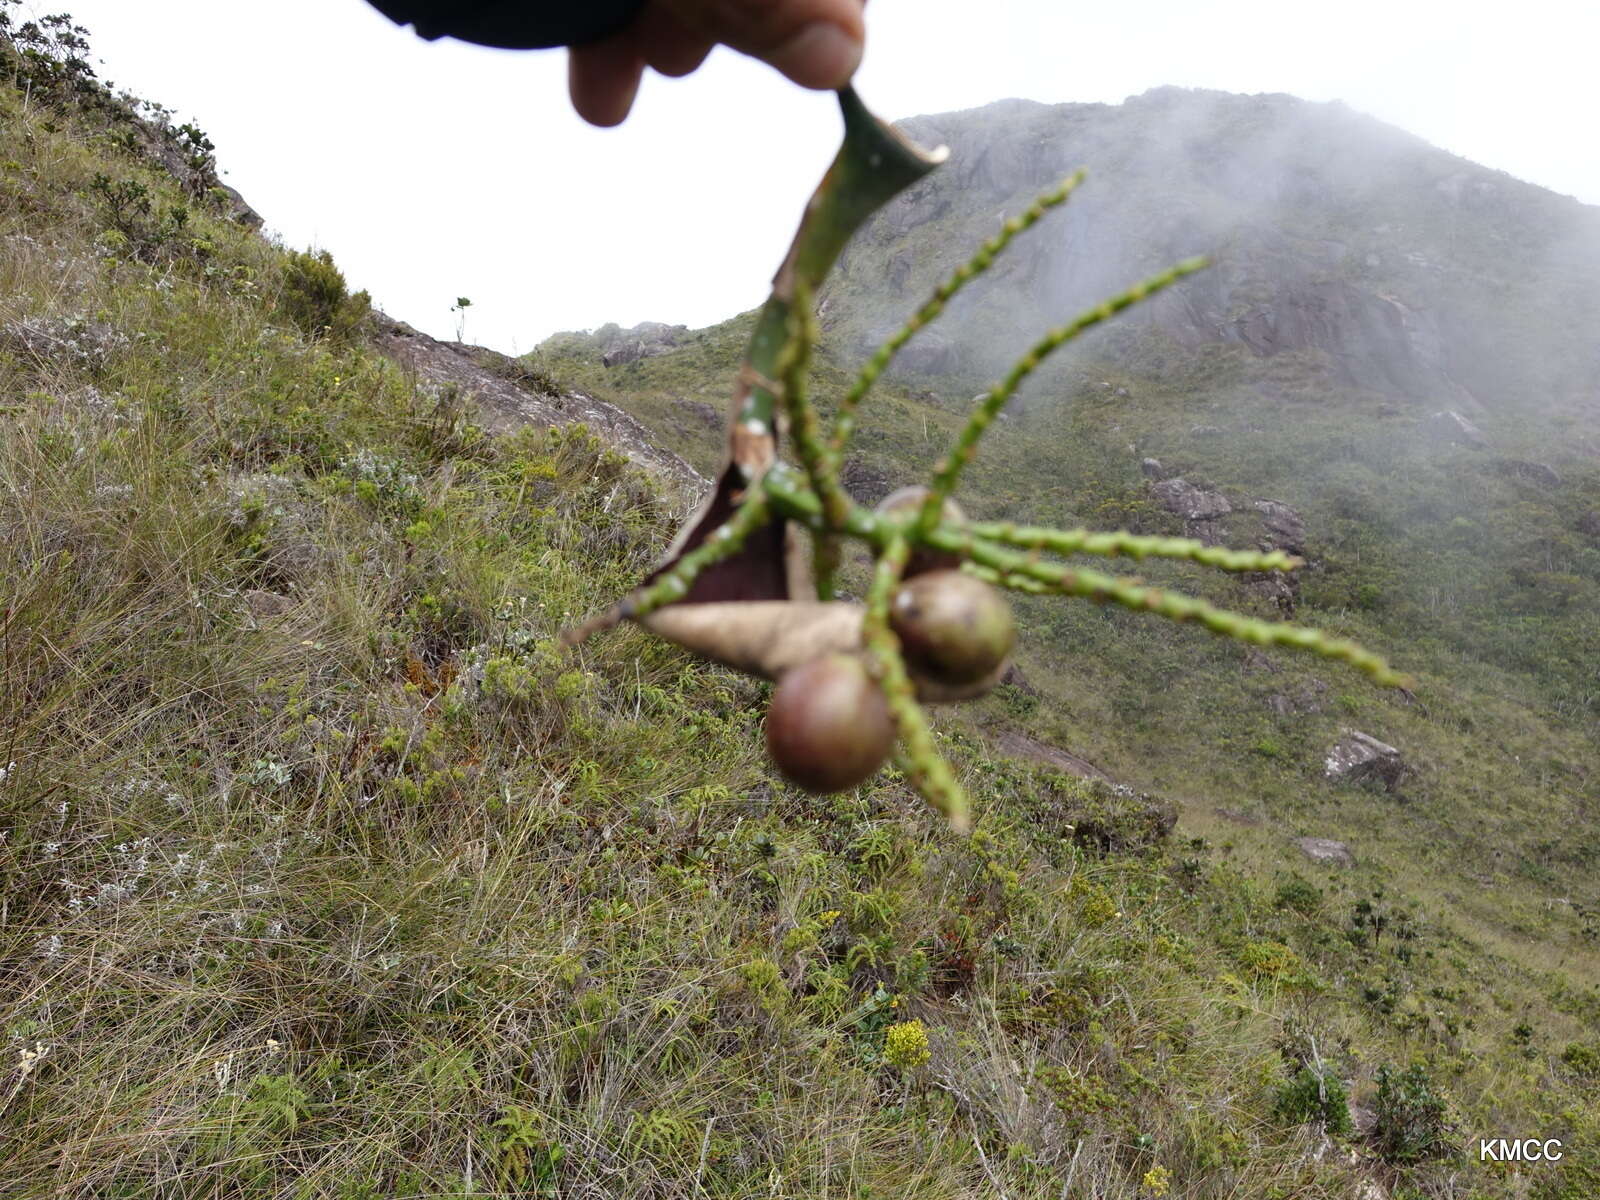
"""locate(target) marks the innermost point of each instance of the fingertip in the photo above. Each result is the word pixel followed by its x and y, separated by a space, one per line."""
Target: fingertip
pixel 603 80
pixel 821 55
pixel 669 46
pixel 681 59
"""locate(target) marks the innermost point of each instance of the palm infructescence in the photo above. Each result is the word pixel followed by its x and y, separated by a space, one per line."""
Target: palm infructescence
pixel 738 558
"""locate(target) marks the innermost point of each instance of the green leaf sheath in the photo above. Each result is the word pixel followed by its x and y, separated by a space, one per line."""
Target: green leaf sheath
pixel 805 427
pixel 874 164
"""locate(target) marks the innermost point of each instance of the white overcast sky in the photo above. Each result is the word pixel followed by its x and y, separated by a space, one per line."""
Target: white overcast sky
pixel 437 170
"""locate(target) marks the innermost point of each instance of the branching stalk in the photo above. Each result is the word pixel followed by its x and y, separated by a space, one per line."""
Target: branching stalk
pixel 844 421
pixel 948 472
pixel 927 769
pixel 1121 544
pixel 1018 572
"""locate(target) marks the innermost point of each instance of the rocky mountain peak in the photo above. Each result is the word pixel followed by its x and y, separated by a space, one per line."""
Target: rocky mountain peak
pixel 1387 265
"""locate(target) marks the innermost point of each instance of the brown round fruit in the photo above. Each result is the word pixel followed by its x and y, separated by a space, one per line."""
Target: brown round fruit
pixel 828 727
pixel 905 503
pixel 952 627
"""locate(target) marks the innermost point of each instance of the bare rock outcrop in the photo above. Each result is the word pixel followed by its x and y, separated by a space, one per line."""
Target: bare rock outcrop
pixel 1182 498
pixel 1202 510
pixel 865 479
pixel 1283 527
pixel 1359 757
pixel 1450 426
pixel 508 400
pixel 1326 851
pixel 645 340
pixel 1017 744
pixel 73 341
pixel 1015 677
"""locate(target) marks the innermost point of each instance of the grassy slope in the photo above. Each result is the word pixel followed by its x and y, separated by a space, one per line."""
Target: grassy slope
pixel 1493 833
pixel 1490 844
pixel 322 875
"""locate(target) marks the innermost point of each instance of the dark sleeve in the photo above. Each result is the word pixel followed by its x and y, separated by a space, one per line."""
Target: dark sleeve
pixel 512 24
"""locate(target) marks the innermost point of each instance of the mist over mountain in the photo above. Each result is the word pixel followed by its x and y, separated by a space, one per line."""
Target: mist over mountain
pixel 1375 261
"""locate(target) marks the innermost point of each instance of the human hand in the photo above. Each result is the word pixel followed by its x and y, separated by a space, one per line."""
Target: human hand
pixel 816 43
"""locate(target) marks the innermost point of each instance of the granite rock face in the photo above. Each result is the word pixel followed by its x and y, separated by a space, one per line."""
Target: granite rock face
pixel 1202 510
pixel 497 384
pixel 1369 258
pixel 1182 498
pixel 1284 528
pixel 1359 757
pixel 646 340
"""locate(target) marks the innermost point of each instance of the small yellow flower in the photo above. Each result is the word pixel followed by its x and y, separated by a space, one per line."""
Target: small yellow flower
pixel 906 1045
pixel 1157 1180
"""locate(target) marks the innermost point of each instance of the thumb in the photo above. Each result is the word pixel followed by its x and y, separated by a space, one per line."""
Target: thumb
pixel 816 43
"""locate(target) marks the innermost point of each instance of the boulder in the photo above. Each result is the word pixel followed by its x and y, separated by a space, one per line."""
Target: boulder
pixel 1189 502
pixel 865 480
pixel 1151 468
pixel 645 340
pixel 622 355
pixel 1450 426
pixel 1278 589
pixel 703 412
pixel 1284 528
pixel 1358 757
pixel 1326 851
pixel 1257 661
pixel 1116 818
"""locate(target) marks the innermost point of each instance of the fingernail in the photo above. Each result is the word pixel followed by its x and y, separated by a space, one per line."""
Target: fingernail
pixel 821 55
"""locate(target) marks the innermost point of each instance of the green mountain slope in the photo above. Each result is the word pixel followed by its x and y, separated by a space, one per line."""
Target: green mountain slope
pixel 323 873
pixel 1450 506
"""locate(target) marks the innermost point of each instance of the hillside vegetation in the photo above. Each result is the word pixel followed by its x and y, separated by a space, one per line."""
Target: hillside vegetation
pixel 324 874
pixel 1469 552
